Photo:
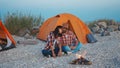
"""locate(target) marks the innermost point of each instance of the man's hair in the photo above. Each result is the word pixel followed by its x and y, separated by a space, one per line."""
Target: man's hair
pixel 67 24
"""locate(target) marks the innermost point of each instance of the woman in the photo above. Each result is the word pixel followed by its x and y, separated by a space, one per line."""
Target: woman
pixel 53 46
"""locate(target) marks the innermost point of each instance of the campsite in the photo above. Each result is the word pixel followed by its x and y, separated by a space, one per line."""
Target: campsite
pixel 59 34
pixel 103 53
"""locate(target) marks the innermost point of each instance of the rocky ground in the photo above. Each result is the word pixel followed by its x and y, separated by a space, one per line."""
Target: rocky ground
pixel 103 54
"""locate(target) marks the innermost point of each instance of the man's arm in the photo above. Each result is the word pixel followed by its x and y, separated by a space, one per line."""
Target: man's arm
pixel 74 37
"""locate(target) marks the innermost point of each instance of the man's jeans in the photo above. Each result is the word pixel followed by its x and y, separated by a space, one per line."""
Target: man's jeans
pixel 67 48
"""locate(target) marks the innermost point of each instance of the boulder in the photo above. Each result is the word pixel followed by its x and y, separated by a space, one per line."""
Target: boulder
pixel 27 36
pixel 112 28
pixel 95 28
pixel 34 31
pixel 101 30
pixel 119 28
pixel 105 33
pixel 102 24
pixel 23 31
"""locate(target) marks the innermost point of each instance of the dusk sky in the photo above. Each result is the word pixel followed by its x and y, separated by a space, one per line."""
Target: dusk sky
pixel 86 10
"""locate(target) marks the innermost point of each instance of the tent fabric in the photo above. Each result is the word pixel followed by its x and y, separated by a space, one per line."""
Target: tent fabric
pixel 76 25
pixel 4 34
pixel 9 42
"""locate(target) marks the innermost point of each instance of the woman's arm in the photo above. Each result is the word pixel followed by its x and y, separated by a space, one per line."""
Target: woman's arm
pixel 59 42
pixel 52 49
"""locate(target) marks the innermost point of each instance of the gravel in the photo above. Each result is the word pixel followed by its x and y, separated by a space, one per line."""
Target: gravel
pixel 103 54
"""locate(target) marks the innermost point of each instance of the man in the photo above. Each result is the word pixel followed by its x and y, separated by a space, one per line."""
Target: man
pixel 70 41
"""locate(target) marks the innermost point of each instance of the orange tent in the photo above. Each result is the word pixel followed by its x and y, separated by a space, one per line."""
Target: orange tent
pixel 4 33
pixel 79 28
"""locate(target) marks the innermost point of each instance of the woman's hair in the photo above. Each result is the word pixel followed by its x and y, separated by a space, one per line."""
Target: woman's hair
pixel 56 31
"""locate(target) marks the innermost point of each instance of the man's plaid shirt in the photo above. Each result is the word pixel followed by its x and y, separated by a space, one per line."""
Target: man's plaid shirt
pixel 69 38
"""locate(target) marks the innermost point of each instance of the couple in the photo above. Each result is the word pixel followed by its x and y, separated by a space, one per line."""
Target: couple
pixel 62 39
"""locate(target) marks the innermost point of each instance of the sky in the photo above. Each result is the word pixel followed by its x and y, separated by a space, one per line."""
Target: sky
pixel 86 10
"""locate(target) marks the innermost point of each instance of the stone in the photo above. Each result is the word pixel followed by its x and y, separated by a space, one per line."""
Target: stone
pixel 102 24
pixel 27 36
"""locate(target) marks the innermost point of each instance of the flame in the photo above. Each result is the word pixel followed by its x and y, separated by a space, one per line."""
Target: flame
pixel 82 55
pixel 78 56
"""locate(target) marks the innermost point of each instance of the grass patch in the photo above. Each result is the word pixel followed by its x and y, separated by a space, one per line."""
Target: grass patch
pixel 16 22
